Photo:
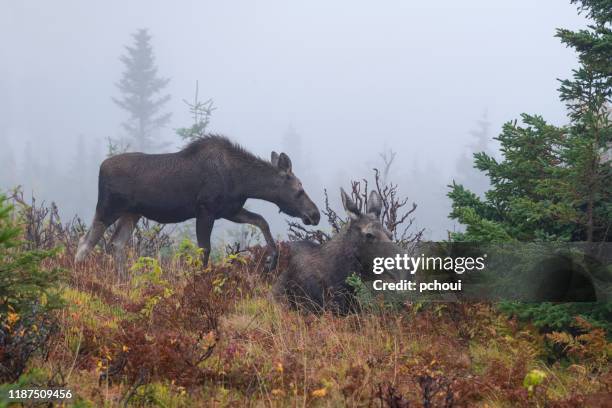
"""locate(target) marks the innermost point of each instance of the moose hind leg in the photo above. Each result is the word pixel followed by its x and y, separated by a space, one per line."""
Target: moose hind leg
pixel 123 233
pixel 90 239
pixel 246 217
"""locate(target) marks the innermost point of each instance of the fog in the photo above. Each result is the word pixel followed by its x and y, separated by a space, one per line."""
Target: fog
pixel 345 79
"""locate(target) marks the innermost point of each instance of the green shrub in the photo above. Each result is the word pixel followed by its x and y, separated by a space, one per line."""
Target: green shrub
pixel 560 316
pixel 28 296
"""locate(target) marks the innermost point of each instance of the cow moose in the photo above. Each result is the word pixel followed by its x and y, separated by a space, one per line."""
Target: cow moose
pixel 211 178
pixel 315 278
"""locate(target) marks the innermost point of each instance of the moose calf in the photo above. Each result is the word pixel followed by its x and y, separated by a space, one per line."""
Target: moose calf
pixel 315 278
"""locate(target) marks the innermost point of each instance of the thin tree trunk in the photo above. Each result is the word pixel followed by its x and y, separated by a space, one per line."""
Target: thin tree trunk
pixel 590 218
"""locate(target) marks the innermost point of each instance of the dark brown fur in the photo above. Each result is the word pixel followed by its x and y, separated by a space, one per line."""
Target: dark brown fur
pixel 209 179
pixel 315 278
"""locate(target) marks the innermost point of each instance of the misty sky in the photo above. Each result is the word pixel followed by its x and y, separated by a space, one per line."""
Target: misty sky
pixel 351 77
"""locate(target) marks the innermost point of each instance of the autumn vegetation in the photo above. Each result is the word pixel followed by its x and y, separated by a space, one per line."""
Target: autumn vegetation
pixel 176 334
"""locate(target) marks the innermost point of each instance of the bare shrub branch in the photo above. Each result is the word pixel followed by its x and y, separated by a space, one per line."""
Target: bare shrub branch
pixel 396 215
pixel 44 229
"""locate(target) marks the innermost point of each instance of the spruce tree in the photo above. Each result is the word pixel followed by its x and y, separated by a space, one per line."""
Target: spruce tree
pixel 522 203
pixel 77 177
pixel 553 183
pixel 589 136
pixel 201 112
pixel 466 172
pixel 292 143
pixel 29 294
pixel 141 88
pixel 8 176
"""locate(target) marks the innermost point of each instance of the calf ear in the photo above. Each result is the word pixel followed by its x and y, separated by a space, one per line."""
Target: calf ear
pixel 284 162
pixel 374 204
pixel 274 159
pixel 349 205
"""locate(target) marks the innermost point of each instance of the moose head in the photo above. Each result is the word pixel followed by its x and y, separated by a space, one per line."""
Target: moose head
pixel 367 226
pixel 366 233
pixel 291 197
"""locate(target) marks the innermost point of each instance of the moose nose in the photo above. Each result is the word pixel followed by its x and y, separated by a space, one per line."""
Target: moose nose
pixel 315 217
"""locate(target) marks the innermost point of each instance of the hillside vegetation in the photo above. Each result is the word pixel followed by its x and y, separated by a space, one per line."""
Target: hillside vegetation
pixel 179 335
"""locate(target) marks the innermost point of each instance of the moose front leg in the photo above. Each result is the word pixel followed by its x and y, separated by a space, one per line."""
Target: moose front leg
pixel 204 226
pixel 246 217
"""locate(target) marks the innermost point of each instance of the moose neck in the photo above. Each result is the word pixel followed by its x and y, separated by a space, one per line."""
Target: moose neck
pixel 343 245
pixel 262 181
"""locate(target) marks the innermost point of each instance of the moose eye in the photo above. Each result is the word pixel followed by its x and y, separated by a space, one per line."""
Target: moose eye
pixel 369 236
pixel 299 194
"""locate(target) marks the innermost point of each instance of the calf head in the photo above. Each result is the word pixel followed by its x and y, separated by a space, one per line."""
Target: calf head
pixel 367 226
pixel 291 197
pixel 365 230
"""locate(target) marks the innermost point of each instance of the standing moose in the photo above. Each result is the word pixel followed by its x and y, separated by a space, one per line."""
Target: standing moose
pixel 210 178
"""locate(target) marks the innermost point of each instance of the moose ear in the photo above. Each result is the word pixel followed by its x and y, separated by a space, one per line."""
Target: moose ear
pixel 374 204
pixel 284 162
pixel 274 159
pixel 349 205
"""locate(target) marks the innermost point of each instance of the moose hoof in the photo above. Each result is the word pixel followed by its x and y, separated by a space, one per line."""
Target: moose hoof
pixel 271 261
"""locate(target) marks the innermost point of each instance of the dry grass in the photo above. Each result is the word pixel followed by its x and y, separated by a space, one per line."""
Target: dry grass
pixel 219 340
